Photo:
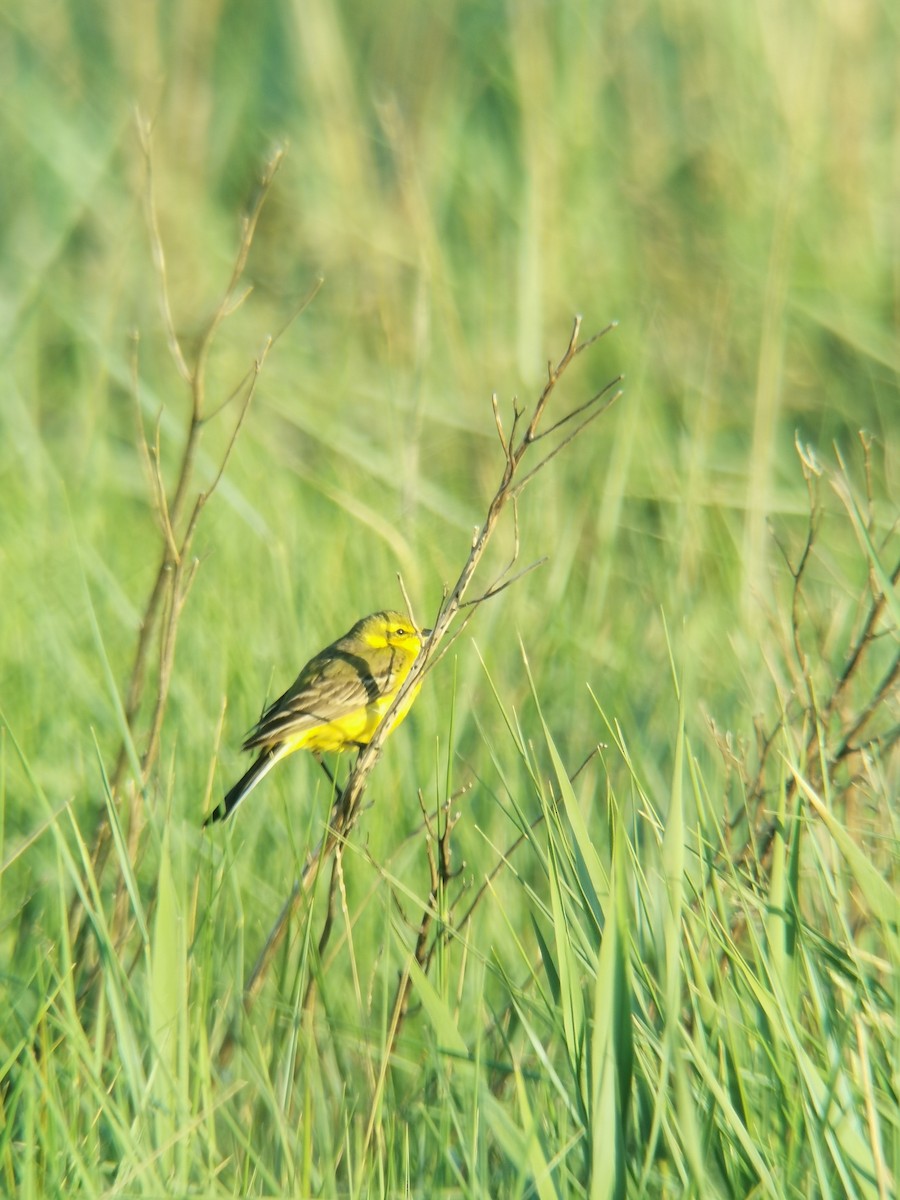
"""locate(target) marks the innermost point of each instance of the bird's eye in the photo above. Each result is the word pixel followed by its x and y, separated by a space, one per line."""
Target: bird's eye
pixel 399 632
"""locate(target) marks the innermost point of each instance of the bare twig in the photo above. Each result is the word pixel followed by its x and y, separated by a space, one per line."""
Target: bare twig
pixel 177 568
pixel 345 810
pixel 440 874
pixel 327 924
pixel 176 547
pixel 496 588
pixel 579 429
pixel 151 214
pixel 832 719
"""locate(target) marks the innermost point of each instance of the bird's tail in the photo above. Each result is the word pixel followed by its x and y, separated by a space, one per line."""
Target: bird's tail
pixel 246 783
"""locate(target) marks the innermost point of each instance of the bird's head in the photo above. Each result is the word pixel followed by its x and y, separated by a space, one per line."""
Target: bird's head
pixel 391 629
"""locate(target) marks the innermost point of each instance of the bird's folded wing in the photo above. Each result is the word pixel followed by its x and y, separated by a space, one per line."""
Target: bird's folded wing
pixel 323 692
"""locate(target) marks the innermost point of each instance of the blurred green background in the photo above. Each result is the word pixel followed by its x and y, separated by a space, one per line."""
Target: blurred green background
pixel 720 179
pixel 466 177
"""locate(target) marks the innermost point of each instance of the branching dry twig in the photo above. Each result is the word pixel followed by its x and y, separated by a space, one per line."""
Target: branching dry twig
pixel 833 716
pixel 440 875
pixel 158 632
pixel 345 811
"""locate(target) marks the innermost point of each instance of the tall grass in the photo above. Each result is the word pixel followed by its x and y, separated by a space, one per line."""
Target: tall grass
pixel 640 939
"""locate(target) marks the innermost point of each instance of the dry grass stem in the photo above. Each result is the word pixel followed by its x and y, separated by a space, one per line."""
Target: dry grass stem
pixel 177 568
pixel 345 810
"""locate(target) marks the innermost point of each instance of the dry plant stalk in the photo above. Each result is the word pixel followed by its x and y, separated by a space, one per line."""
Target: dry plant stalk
pixel 178 514
pixel 440 909
pixel 523 435
pixel 441 873
pixel 850 718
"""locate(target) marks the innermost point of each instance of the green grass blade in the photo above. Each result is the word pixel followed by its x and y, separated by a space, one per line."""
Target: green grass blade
pixel 879 893
pixel 611 1045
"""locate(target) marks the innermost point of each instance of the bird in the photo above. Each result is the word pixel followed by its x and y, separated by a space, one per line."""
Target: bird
pixel 336 702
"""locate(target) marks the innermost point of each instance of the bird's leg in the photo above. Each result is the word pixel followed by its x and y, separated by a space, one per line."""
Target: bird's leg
pixel 322 763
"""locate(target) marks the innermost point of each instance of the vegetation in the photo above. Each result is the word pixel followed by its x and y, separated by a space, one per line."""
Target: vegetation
pixel 613 913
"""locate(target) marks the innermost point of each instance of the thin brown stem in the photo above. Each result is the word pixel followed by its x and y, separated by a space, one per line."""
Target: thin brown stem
pixel 346 808
pixel 176 569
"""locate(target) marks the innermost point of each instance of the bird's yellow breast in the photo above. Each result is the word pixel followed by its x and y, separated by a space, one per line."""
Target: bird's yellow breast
pixel 354 729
